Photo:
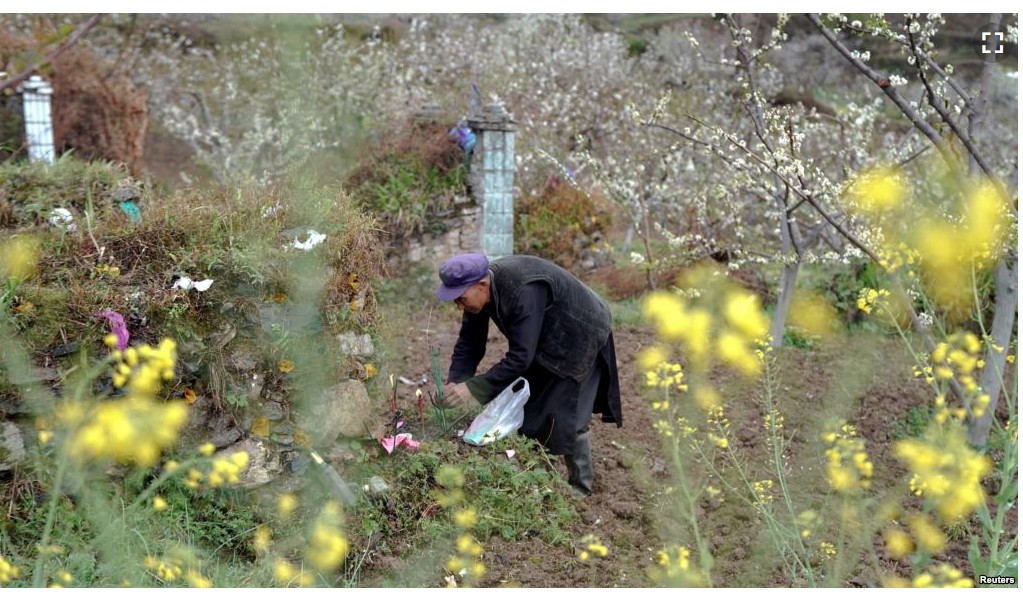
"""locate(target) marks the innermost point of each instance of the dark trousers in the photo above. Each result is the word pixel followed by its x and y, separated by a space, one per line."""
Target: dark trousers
pixel 587 396
pixel 559 409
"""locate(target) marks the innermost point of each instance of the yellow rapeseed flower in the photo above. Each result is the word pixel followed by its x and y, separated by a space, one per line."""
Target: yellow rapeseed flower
pixel 8 571
pixel 878 191
pixel 226 469
pixel 261 539
pixel 735 351
pixel 870 298
pixel 848 467
pixel 813 315
pixel 591 546
pixel 941 576
pixel 477 570
pixel 744 313
pixel 132 429
pixel 159 504
pixel 898 543
pixel 666 375
pixel 286 574
pixel 697 335
pixel 947 470
pixel 666 311
pixel 18 256
pixel 649 357
pixel 931 539
pixel 762 492
pixel 197 581
pixel 327 546
pixel 286 505
pixel 707 397
pixel 467 545
pixel 985 222
pixel 466 518
pixel 674 568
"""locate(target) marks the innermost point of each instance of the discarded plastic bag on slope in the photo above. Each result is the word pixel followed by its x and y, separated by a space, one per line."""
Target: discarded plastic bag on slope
pixel 500 417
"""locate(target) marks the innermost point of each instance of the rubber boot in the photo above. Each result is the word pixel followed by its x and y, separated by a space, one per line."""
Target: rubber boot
pixel 580 466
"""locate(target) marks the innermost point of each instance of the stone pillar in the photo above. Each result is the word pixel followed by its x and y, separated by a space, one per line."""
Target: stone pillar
pixel 493 176
pixel 36 94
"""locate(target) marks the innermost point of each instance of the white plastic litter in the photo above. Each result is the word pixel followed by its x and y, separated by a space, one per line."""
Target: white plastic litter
pixel 315 238
pixel 62 218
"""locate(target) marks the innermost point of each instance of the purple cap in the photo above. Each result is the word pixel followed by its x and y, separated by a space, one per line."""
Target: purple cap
pixel 458 273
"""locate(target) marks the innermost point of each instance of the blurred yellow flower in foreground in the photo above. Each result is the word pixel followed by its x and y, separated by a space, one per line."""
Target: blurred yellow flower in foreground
pixel 8 571
pixel 144 368
pixel 286 505
pixel 878 191
pixel 18 256
pixel 947 471
pixel 813 315
pixel 133 429
pixel 327 546
pixel 723 319
pixel 592 547
pixel 286 574
pixel 227 469
pixel 848 465
pixel 261 540
pixel 939 575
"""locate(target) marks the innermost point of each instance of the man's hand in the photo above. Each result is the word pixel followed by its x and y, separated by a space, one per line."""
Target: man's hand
pixel 457 395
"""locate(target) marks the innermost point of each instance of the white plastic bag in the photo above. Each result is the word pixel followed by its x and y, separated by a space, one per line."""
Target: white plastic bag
pixel 500 417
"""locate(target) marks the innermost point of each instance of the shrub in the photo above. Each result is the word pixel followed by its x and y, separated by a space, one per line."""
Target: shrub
pixel 558 221
pixel 411 178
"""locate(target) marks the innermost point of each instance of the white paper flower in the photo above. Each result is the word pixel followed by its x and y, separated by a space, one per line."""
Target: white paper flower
pixel 314 239
pixel 186 283
pixel 62 218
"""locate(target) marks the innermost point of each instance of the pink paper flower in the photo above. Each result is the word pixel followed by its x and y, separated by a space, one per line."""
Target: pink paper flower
pixel 117 327
pixel 392 442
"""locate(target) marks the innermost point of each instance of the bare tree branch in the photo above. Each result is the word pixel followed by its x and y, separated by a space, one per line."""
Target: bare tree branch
pixel 915 154
pixel 945 116
pixel 930 62
pixel 885 85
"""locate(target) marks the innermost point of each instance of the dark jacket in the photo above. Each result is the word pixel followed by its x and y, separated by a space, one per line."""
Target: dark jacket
pixel 555 325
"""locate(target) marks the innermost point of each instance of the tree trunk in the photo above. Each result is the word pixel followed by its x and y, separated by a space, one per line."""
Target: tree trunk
pixel 646 245
pixel 1006 295
pixel 1006 282
pixel 627 242
pixel 786 288
pixel 978 107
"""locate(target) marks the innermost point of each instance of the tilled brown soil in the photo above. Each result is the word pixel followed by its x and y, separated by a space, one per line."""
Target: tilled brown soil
pixel 631 473
pixel 615 513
